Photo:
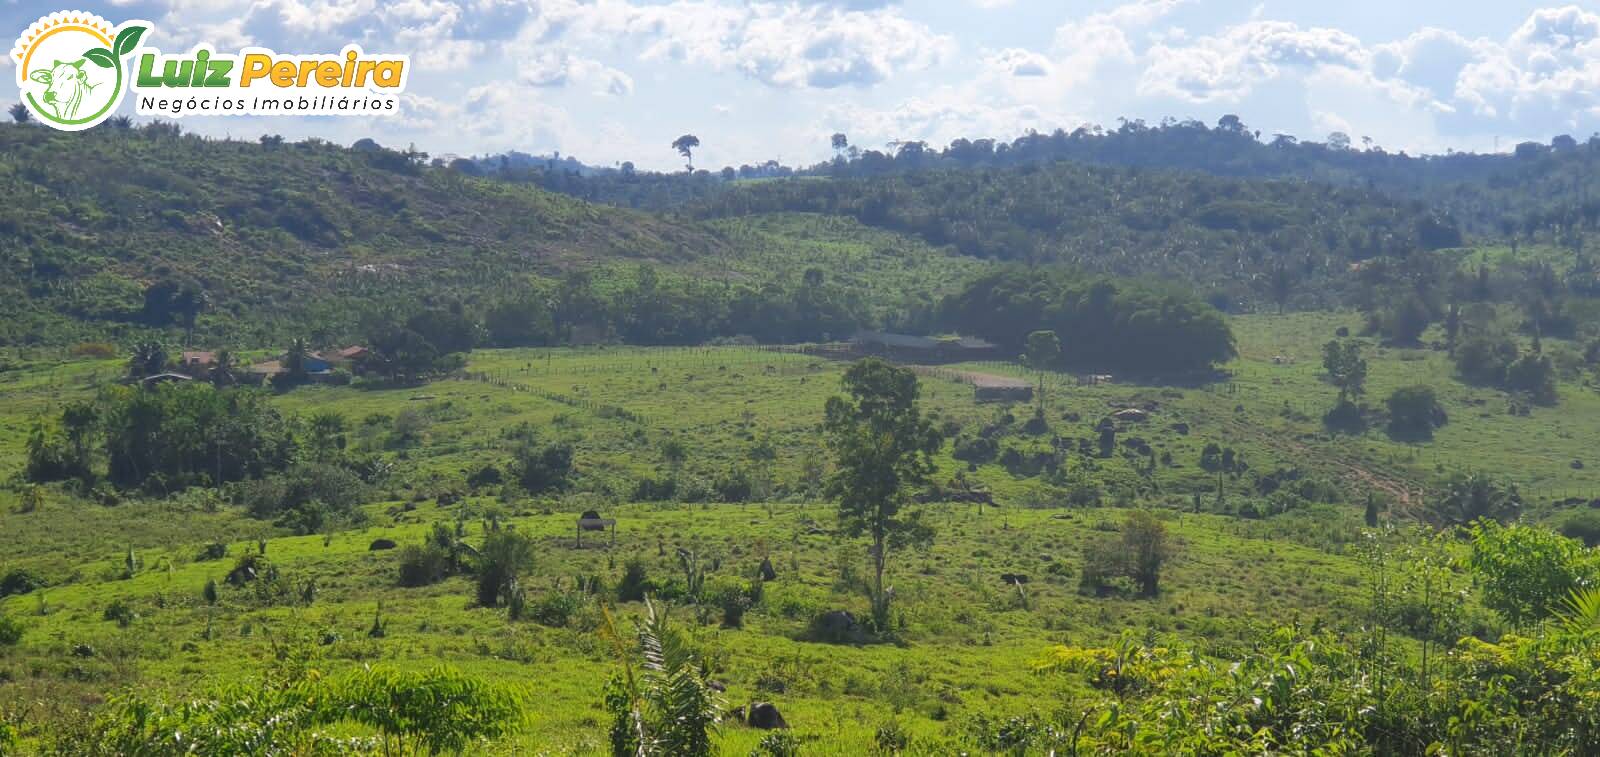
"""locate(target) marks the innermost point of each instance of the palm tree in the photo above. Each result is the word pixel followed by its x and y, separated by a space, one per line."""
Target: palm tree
pixel 222 374
pixel 294 361
pixel 1581 612
pixel 667 708
pixel 148 359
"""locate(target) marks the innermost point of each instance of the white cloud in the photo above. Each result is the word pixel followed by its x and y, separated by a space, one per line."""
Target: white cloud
pixel 1018 62
pixel 1226 66
pixel 788 46
pixel 560 68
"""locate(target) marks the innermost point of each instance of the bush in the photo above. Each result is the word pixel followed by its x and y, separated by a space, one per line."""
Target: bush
pixel 734 596
pixel 734 485
pixel 1583 525
pixel 653 489
pixel 21 581
pixel 98 350
pixel 305 498
pixel 423 565
pixel 1345 418
pixel 10 631
pixel 504 557
pixel 1527 573
pixel 214 551
pixel 1414 412
pixel 975 449
pixel 120 612
pixel 1534 375
pixel 1483 359
pixel 555 609
pixel 1103 562
pixel 635 583
pixel 1138 557
pixel 543 469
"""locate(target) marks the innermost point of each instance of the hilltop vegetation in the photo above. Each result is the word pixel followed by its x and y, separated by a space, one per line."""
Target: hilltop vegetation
pixel 271 234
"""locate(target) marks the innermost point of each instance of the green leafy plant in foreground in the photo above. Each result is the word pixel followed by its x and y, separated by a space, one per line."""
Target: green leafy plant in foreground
pixel 665 706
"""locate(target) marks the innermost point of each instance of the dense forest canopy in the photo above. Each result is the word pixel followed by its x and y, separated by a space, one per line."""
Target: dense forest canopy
pixel 1229 233
pixel 1101 323
pixel 1534 189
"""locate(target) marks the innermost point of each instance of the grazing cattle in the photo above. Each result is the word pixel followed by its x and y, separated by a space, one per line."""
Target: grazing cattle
pixel 68 84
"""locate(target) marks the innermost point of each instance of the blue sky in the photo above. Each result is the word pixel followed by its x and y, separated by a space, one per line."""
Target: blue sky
pixel 613 80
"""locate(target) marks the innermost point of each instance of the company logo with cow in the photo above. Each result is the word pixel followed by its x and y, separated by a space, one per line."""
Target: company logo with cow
pixel 73 69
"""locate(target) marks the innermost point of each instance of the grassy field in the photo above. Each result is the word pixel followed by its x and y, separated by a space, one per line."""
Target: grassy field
pixel 969 640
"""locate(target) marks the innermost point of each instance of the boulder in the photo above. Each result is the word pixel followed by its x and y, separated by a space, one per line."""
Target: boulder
pixel 765 715
pixel 378 545
pixel 836 626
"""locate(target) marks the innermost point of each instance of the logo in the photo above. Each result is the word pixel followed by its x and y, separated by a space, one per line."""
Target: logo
pixel 70 67
pixel 73 69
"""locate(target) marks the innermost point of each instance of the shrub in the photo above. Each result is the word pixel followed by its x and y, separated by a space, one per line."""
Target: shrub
pixel 214 551
pixel 21 581
pixel 1414 412
pixel 438 711
pixel 1583 525
pixel 99 350
pixel 504 557
pixel 10 631
pixel 488 475
pixel 777 744
pixel 1527 573
pixel 1345 418
pixel 655 489
pixel 306 498
pixel 975 449
pixel 541 469
pixel 1483 359
pixel 555 609
pixel 1535 375
pixel 120 612
pixel 734 485
pixel 1103 561
pixel 1137 556
pixel 423 565
pixel 734 596
pixel 635 583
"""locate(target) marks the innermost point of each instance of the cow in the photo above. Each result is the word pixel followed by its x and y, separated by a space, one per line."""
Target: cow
pixel 67 85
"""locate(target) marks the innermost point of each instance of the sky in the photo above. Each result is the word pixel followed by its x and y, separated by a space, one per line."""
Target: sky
pixel 612 80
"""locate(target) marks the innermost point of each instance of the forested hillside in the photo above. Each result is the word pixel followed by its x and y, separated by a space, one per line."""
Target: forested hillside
pixel 145 227
pixel 1537 191
pixel 1228 234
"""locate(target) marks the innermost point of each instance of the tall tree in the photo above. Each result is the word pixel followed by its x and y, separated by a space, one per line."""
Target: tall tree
pixel 225 372
pixel 294 360
pixel 882 447
pixel 1042 353
pixel 685 146
pixel 19 113
pixel 1347 369
pixel 1282 283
